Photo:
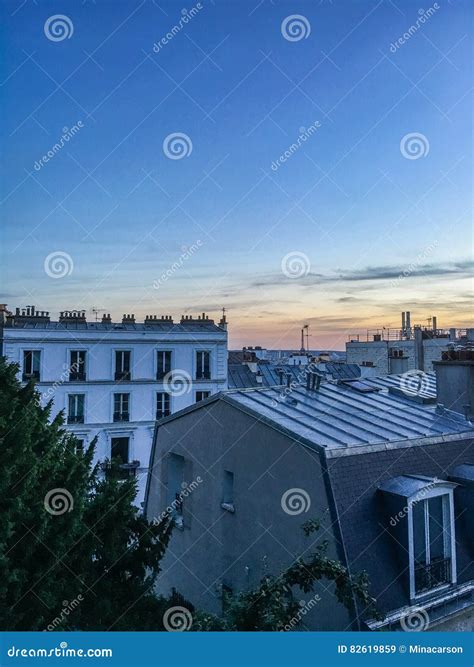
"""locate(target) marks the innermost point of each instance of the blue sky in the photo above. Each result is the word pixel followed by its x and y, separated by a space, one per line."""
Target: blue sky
pixel 347 200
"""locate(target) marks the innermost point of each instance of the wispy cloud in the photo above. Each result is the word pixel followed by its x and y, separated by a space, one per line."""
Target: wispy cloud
pixel 458 269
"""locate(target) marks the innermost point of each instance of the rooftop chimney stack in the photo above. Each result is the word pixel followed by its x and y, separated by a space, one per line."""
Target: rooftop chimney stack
pixel 455 381
pixel 408 323
pixel 435 324
pixel 404 325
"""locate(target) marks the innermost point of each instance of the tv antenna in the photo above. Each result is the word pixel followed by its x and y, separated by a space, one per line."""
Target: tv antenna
pixel 96 312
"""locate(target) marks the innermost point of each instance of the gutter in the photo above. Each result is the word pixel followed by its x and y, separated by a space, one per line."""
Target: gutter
pixel 399 614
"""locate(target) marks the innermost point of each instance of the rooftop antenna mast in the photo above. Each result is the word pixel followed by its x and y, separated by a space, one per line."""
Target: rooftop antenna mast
pixel 306 326
pixel 96 312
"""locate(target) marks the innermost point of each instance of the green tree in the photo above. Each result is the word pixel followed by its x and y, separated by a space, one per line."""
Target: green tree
pixel 68 537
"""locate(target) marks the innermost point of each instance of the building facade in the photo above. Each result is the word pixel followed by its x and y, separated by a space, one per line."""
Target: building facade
pixel 390 351
pixel 114 380
pixel 388 469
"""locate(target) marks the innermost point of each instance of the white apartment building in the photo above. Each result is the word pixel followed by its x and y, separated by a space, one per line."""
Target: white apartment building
pixel 411 347
pixel 114 380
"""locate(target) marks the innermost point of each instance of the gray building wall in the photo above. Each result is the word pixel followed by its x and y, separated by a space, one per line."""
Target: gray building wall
pixel 378 352
pixel 237 549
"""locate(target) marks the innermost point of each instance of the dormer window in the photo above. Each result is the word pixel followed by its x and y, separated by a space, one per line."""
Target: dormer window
pixel 431 549
pixel 420 512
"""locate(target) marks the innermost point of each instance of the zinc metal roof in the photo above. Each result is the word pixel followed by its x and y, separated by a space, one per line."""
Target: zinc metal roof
pixel 339 416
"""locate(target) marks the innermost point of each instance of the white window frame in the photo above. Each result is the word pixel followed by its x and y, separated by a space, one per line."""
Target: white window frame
pixel 156 402
pixel 69 352
pixel 114 369
pixel 76 393
pixel 155 360
pixel 195 365
pixel 22 360
pixel 449 536
pixel 129 406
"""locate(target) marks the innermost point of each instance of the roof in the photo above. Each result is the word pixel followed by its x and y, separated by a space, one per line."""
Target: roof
pixel 339 370
pixel 240 376
pixel 166 327
pixel 407 486
pixel 339 416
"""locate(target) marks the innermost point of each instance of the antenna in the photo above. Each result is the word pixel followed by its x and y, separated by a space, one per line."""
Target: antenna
pixel 96 312
pixel 306 326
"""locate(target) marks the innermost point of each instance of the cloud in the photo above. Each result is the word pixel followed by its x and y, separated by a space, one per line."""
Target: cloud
pixel 458 269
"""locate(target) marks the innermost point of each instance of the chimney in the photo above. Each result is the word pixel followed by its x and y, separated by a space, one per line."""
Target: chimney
pixel 128 319
pixel 72 316
pixel 455 381
pixel 404 326
pixel 313 381
pixel 435 324
pixel 408 323
pixel 106 319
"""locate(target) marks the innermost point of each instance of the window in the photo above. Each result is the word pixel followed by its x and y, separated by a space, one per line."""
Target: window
pixel 77 365
pixel 201 395
pixel 122 365
pixel 162 404
pixel 31 364
pixel 203 369
pixel 175 487
pixel 120 449
pixel 75 413
pixel 228 491
pixel 121 407
pixel 163 363
pixel 79 447
pixel 433 543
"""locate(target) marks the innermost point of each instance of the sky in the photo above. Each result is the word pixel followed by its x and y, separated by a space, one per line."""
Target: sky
pixel 294 162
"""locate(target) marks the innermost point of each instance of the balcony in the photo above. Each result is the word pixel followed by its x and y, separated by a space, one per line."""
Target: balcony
pixel 35 375
pixel 77 376
pixel 121 417
pixel 432 575
pixel 121 471
pixel 122 376
pixel 75 419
